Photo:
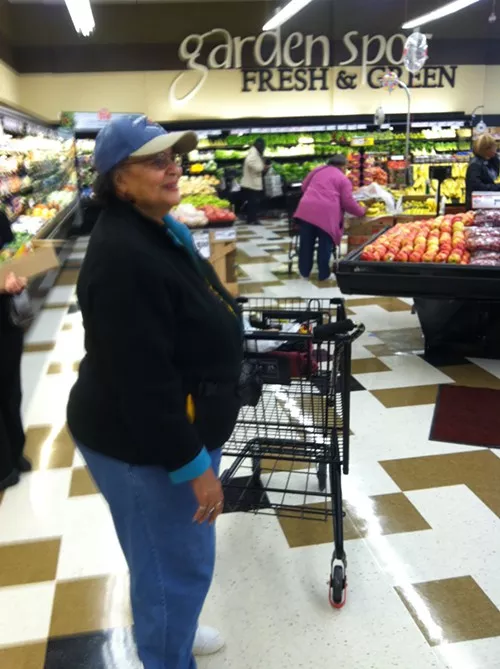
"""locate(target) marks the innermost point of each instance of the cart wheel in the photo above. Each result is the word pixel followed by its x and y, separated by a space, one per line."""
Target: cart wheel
pixel 322 477
pixel 338 587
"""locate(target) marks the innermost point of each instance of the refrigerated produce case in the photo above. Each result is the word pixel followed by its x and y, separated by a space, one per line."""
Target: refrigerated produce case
pixel 38 191
pixel 433 280
pixel 457 305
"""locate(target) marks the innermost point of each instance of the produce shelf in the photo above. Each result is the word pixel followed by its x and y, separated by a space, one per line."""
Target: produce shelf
pixel 52 228
pixel 432 280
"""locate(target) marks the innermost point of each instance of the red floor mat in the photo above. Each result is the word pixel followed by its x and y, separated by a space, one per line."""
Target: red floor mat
pixel 467 416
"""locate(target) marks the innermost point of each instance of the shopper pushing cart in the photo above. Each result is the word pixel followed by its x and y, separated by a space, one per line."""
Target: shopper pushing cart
pixel 292 434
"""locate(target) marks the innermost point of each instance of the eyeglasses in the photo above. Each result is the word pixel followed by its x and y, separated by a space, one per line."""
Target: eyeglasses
pixel 160 161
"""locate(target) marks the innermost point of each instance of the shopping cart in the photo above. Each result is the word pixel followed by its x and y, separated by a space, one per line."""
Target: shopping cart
pixel 292 199
pixel 291 448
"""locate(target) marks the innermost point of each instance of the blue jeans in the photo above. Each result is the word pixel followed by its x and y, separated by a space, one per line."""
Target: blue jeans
pixel 308 235
pixel 170 558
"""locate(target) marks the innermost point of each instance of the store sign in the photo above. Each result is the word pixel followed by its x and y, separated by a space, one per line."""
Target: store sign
pixel 298 62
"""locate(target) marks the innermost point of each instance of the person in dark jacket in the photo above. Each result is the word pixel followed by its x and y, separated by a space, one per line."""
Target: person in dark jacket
pixel 12 438
pixel 484 168
pixel 157 393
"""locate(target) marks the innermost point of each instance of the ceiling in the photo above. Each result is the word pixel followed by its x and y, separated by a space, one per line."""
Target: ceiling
pixel 119 2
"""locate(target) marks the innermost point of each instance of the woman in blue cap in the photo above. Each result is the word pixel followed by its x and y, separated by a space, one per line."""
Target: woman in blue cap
pixel 156 396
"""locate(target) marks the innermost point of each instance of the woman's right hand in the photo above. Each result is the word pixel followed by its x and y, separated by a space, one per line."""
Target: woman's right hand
pixel 208 491
pixel 14 285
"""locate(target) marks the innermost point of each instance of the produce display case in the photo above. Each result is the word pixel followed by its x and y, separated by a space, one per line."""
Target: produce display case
pixel 295 146
pixel 38 191
pixel 439 281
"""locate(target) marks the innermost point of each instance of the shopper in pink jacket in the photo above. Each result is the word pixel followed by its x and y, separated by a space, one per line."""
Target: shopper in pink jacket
pixel 327 195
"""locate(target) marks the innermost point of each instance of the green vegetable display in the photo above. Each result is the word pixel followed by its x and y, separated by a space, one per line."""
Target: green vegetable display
pixel 205 201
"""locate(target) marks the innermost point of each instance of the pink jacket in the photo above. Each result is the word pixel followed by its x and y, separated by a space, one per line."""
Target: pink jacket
pixel 327 195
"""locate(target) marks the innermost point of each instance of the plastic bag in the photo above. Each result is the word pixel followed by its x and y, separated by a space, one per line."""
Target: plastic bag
pixel 375 192
pixel 273 186
pixel 415 52
pixel 482 239
pixel 488 218
pixel 486 258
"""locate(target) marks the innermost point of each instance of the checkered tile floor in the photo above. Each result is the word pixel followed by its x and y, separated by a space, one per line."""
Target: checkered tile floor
pixel 422 518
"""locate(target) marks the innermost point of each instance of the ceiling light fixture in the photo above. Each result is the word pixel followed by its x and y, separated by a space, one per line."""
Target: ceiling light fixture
pixel 81 15
pixel 439 13
pixel 289 10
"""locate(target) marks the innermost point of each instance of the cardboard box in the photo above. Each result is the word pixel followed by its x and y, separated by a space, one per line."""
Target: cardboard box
pixel 360 230
pixel 219 248
pixel 29 265
pixel 223 258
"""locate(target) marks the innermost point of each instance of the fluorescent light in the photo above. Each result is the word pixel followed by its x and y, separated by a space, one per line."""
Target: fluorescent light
pixel 445 10
pixel 81 15
pixel 286 13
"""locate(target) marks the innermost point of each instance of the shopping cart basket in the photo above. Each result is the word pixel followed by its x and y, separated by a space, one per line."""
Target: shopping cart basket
pixel 291 448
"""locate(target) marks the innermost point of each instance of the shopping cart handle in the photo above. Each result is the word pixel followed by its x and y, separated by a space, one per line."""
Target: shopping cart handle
pixel 341 330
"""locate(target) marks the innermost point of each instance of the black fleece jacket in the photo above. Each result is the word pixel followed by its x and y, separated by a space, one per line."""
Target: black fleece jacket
pixel 478 177
pixel 159 327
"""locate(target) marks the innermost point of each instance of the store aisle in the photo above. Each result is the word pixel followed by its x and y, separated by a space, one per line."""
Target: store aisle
pixel 423 519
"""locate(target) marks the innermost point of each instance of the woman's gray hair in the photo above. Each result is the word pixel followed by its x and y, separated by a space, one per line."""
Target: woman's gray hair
pixel 338 160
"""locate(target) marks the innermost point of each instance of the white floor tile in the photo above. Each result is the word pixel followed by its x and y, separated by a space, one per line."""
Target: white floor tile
pixel 25 613
pixel 285 597
pixel 34 509
pixel 89 545
pixel 49 405
pixel 61 295
pixel 33 368
pixel 46 326
pixel 480 654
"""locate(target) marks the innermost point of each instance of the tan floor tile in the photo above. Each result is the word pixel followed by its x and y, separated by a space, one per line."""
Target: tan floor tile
pixel 54 368
pixel 394 513
pixel 380 350
pixel 478 469
pixel 59 367
pixel 46 452
pixel 43 347
pixel 368 366
pixel 401 340
pixel 89 605
pixel 31 562
pixel 406 397
pixel 459 607
pixel 471 376
pixel 28 656
pixel 300 532
pixel 56 305
pixel 82 483
pixel 271 465
pixel 68 277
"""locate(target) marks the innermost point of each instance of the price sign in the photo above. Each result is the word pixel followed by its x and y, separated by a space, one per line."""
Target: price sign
pixel 362 141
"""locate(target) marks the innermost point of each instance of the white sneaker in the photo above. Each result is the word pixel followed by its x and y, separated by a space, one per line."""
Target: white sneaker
pixel 208 641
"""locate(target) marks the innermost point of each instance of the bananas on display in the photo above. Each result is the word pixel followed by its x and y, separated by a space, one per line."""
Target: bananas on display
pixel 452 189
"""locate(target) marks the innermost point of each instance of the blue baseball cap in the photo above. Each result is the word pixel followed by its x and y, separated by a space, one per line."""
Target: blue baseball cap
pixel 135 136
